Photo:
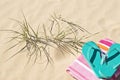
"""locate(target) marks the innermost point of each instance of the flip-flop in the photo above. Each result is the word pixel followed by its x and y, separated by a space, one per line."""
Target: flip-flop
pixel 112 62
pixel 92 53
pixel 80 70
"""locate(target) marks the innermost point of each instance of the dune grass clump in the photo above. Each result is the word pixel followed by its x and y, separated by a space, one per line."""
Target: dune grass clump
pixel 63 34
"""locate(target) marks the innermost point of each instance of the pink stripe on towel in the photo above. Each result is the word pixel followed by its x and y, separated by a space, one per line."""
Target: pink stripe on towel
pixel 105 42
pixel 81 70
pixel 86 69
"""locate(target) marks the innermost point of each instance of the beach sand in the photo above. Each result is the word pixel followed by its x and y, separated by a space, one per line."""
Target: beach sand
pixel 94 15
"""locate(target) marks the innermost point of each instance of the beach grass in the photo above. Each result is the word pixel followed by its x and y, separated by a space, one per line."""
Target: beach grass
pixel 61 33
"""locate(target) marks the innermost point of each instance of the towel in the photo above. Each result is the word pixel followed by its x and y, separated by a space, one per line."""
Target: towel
pixel 80 70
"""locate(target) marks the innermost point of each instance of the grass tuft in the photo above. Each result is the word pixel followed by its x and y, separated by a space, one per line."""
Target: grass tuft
pixel 61 33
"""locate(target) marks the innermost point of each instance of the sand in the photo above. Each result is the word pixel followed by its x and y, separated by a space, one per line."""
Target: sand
pixel 94 15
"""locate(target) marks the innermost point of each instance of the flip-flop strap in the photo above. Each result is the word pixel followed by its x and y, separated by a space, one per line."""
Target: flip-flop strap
pixel 112 57
pixel 94 55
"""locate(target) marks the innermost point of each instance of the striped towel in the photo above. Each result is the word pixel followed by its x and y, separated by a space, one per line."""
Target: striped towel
pixel 80 69
pixel 105 44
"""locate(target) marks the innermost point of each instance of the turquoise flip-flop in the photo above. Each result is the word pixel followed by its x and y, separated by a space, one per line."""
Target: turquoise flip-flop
pixel 112 62
pixel 92 53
